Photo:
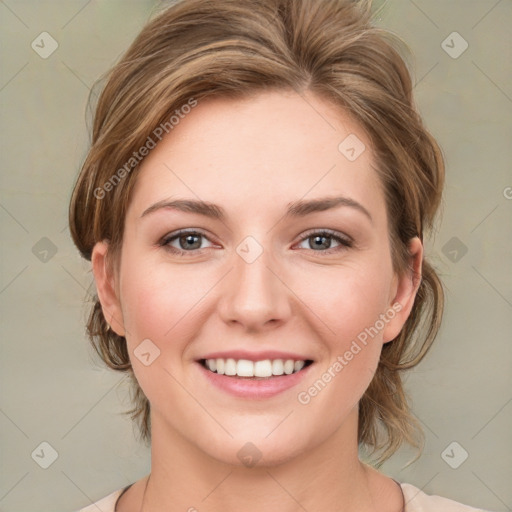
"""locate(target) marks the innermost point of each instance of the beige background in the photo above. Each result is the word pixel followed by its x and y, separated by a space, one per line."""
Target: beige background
pixel 53 390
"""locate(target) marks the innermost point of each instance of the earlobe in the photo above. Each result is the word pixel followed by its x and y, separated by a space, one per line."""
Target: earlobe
pixel 407 286
pixel 105 286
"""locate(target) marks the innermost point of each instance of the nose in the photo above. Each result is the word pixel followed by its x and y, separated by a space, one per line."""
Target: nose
pixel 255 294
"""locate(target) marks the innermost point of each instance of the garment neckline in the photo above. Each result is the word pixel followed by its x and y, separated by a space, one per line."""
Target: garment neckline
pixel 126 488
pixel 119 497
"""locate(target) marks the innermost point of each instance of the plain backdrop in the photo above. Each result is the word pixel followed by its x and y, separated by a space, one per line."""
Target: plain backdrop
pixel 55 391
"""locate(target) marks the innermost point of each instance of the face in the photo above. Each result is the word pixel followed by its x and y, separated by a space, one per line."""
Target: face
pixel 265 273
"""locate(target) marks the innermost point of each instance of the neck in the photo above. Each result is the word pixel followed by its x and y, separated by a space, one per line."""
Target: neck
pixel 330 474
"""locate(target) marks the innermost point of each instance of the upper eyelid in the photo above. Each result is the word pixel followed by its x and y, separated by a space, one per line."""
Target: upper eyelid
pixel 327 231
pixel 185 231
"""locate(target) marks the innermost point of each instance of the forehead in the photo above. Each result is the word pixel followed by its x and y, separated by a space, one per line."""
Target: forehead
pixel 260 152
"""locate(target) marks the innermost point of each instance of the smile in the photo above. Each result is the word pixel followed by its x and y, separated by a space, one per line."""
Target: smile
pixel 245 368
pixel 246 379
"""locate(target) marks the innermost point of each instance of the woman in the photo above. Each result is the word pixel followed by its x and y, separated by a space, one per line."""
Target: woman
pixel 253 205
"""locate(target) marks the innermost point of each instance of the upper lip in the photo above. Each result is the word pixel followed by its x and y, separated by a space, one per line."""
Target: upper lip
pixel 256 356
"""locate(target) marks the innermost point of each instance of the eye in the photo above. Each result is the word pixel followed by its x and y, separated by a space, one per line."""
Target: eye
pixel 321 241
pixel 190 242
pixel 184 241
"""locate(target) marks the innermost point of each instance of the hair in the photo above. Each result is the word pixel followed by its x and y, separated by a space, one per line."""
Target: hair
pixel 196 49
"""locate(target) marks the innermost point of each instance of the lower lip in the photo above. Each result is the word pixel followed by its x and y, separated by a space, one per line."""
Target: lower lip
pixel 253 388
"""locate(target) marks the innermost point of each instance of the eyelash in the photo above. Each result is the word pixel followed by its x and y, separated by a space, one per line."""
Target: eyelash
pixel 344 241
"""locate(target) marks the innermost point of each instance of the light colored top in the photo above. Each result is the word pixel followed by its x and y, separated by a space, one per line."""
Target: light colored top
pixel 415 501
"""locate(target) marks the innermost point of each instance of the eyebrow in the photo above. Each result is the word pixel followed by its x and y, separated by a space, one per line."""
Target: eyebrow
pixel 299 208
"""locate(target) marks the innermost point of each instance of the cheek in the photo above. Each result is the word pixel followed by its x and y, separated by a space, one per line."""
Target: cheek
pixel 156 306
pixel 165 306
pixel 155 302
pixel 143 307
pixel 353 344
pixel 346 314
pixel 347 302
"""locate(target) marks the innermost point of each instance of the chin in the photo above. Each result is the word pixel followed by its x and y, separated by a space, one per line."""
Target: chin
pixel 253 451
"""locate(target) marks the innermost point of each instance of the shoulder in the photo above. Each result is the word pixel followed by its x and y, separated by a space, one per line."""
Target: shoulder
pixel 417 501
pixel 106 504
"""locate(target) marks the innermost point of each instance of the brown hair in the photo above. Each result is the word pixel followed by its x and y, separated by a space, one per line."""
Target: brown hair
pixel 235 48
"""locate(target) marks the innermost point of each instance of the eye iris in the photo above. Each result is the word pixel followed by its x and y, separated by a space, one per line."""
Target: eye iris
pixel 318 244
pixel 189 238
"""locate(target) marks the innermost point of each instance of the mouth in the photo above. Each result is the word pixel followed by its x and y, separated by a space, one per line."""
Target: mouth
pixel 265 369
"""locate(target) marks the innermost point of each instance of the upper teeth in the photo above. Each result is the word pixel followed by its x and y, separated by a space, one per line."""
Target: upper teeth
pixel 246 368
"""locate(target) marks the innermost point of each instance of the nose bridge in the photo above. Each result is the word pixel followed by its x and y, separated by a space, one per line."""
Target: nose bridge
pixel 254 294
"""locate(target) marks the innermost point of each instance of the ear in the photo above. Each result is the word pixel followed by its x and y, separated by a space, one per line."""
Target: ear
pixel 404 291
pixel 106 288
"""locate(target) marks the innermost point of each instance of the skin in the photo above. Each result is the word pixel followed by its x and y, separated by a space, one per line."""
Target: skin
pixel 253 158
